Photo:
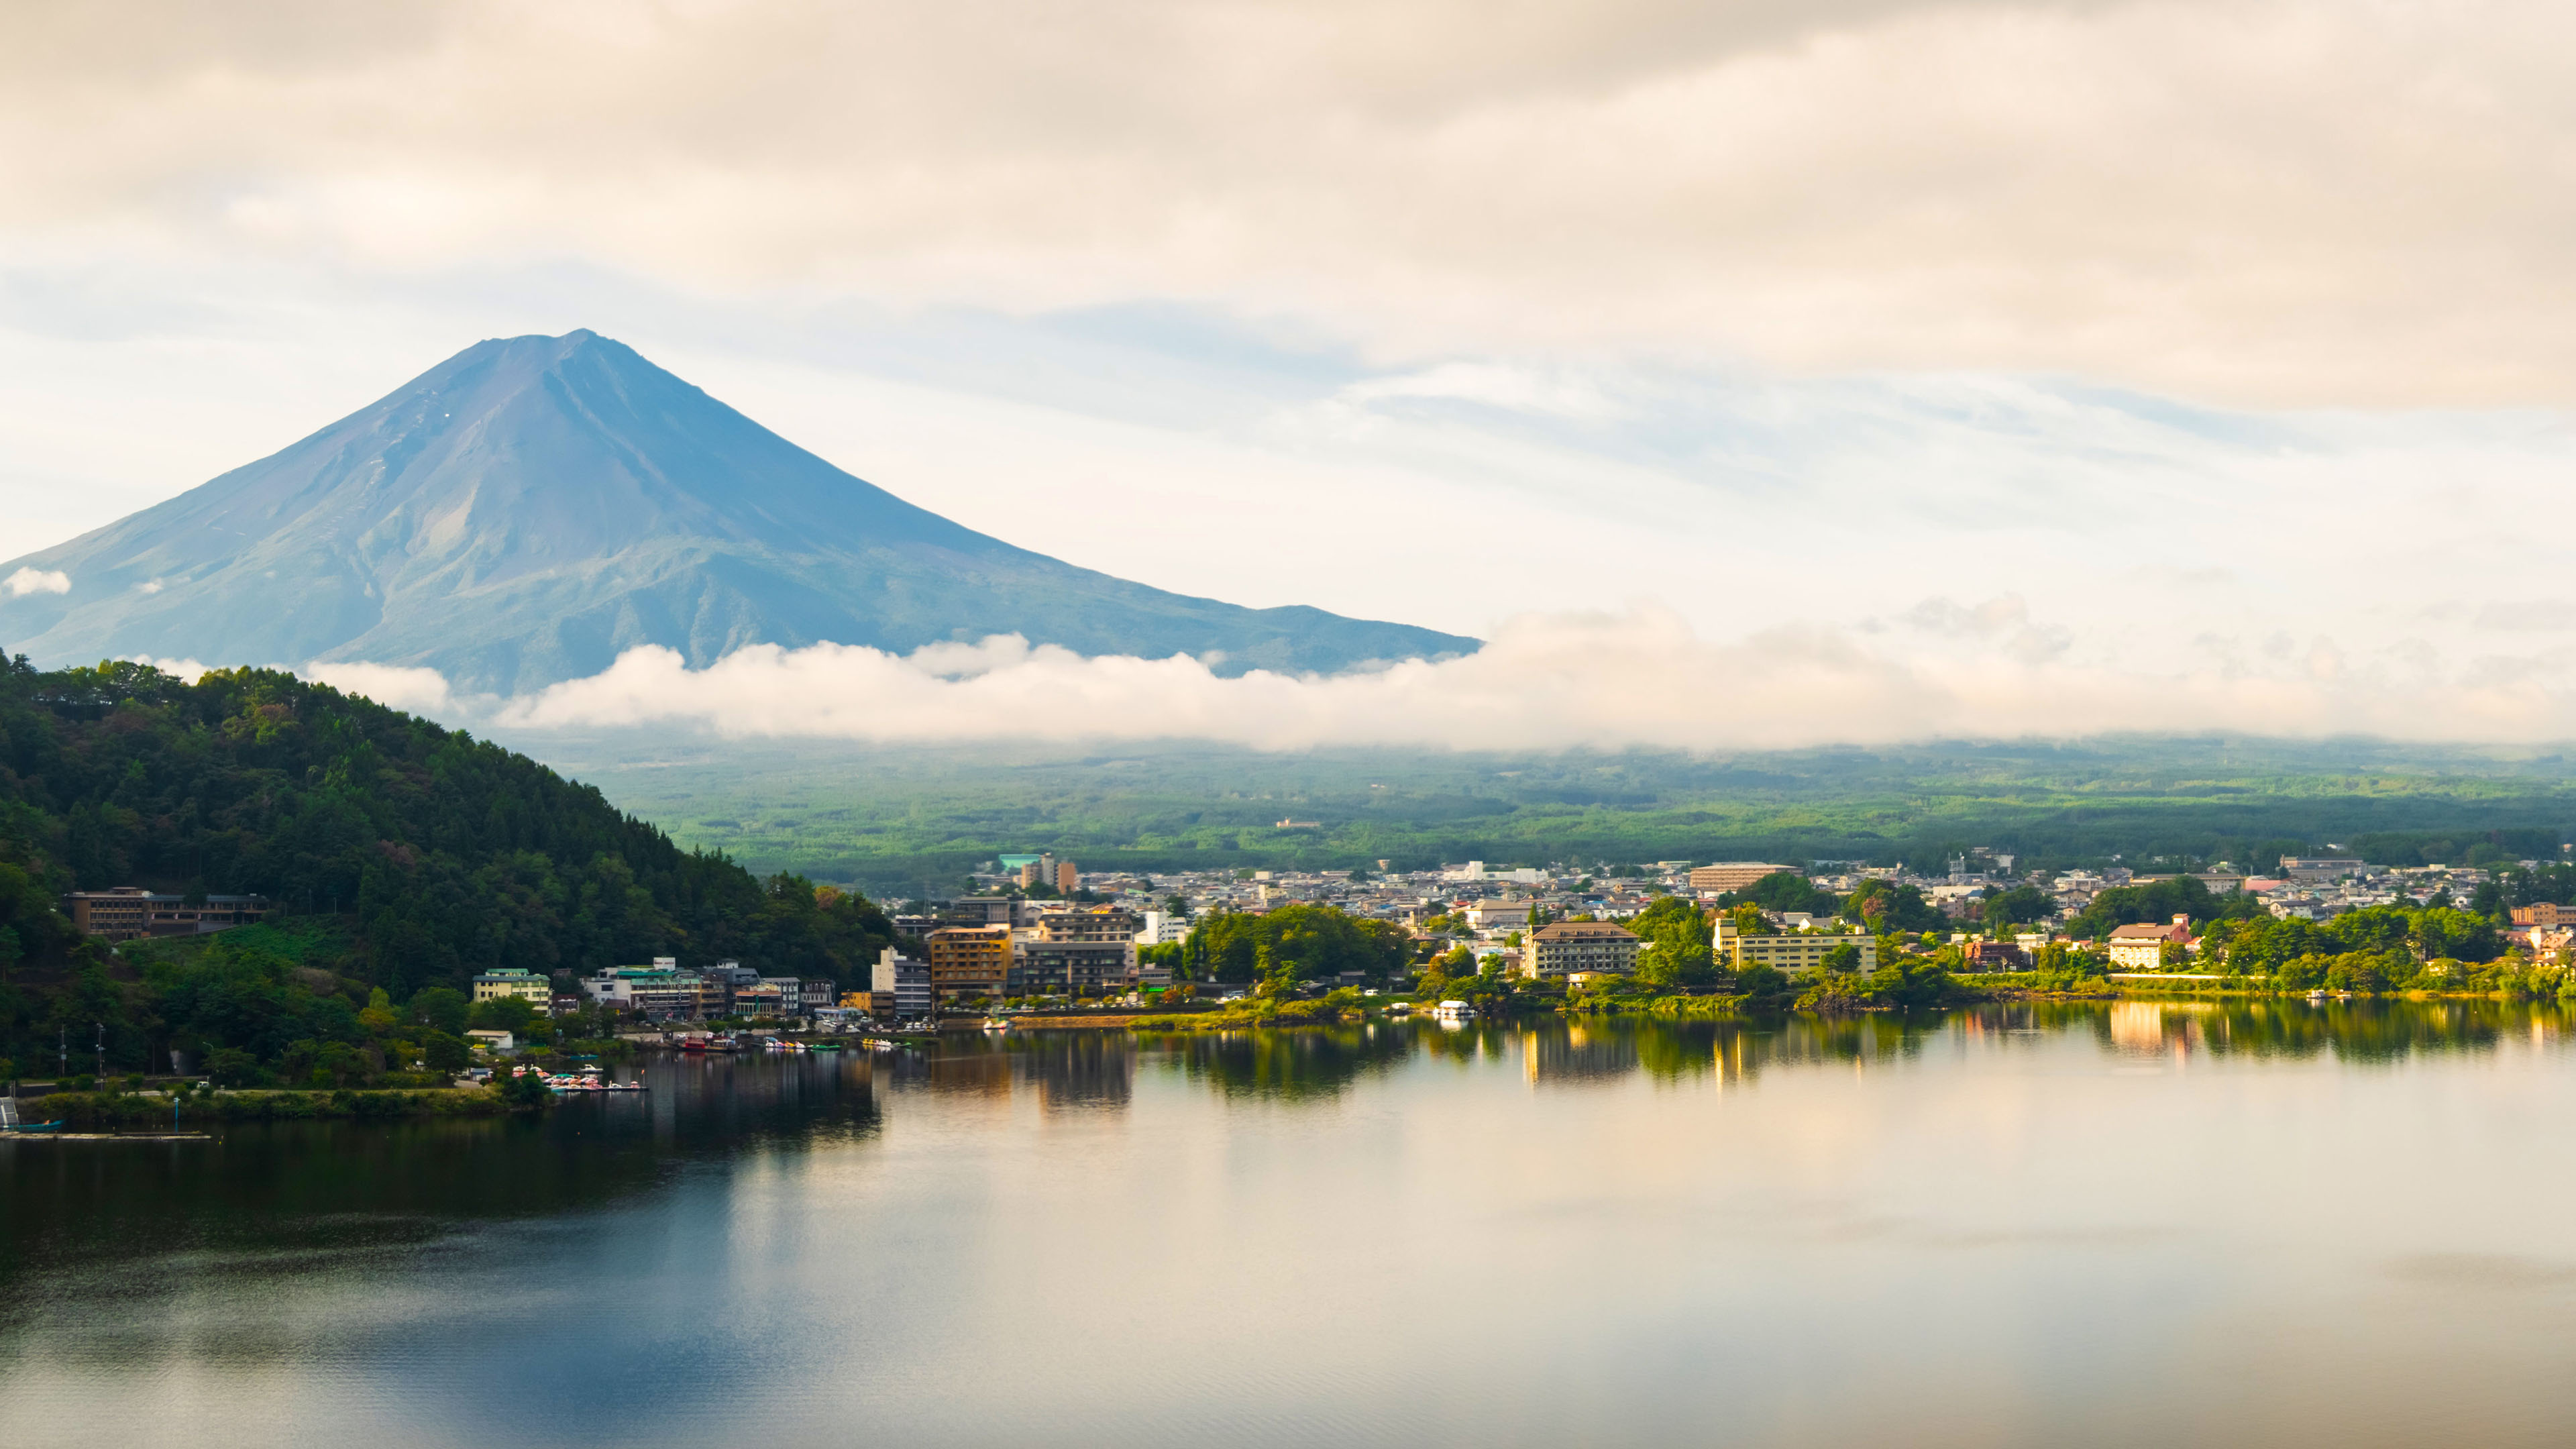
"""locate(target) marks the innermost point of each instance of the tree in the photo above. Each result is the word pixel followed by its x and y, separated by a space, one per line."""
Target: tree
pixel 503 1013
pixel 1882 907
pixel 1673 946
pixel 231 1067
pixel 441 1008
pixel 1758 980
pixel 445 1052
pixel 1788 890
pixel 2020 906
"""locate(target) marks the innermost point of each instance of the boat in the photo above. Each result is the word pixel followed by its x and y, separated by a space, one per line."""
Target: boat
pixel 825 1046
pixel 9 1120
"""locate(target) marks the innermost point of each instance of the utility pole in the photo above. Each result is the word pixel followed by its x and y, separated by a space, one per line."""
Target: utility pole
pixel 62 1051
pixel 102 1051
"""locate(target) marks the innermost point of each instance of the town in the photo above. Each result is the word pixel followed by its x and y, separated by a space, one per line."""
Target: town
pixel 1038 933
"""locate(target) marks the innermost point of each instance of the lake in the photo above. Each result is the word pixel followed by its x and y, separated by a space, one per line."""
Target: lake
pixel 2277 1224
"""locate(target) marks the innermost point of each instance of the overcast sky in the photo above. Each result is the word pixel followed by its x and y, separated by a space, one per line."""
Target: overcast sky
pixel 2073 364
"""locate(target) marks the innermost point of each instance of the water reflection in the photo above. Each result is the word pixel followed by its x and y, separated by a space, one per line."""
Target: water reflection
pixel 1194 1239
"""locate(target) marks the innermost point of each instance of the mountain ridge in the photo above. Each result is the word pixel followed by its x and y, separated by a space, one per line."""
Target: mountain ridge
pixel 533 506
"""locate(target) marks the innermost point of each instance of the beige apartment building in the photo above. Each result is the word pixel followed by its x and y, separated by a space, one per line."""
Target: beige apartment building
pixel 1571 946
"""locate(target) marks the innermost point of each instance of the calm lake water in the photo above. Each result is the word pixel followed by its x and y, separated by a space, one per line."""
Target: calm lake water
pixel 2284 1225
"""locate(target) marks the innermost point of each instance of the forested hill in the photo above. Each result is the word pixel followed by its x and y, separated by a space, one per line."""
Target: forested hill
pixel 447 855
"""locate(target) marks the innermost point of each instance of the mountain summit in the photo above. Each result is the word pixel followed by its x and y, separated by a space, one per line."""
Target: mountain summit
pixel 531 507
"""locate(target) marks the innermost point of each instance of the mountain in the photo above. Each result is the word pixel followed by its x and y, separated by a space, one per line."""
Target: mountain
pixel 531 507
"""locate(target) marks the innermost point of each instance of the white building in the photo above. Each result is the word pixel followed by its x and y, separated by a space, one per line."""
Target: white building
pixel 1163 928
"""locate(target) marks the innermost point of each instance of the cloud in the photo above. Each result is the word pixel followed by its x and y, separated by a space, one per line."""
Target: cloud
pixel 32 581
pixel 420 691
pixel 2267 200
pixel 1640 678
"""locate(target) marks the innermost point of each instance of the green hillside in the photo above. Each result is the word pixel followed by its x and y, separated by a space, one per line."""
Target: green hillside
pixel 411 855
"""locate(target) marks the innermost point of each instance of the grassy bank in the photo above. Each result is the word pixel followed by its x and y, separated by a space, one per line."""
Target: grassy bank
pixel 109 1111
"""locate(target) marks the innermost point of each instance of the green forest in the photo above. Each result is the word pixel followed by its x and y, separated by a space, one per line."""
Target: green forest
pixel 904 820
pixel 429 856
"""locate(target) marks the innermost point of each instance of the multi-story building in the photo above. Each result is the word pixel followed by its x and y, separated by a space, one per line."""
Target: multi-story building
pixel 968 962
pixel 1730 875
pixel 1499 915
pixel 901 988
pixel 1162 928
pixel 1570 946
pixel 723 981
pixel 978 911
pixel 765 998
pixel 527 986
pixel 2314 869
pixel 1786 950
pixel 1084 949
pixel 791 993
pixel 658 992
pixel 128 913
pixel 2544 914
pixel 1046 870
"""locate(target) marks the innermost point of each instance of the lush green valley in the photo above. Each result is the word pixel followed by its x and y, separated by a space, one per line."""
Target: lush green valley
pixel 903 819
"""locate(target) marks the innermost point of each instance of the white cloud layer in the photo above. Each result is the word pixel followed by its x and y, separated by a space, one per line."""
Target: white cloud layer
pixel 419 691
pixel 2301 201
pixel 1638 678
pixel 32 581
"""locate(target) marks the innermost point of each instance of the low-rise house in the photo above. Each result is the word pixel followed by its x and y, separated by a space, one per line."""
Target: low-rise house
pixel 1995 956
pixel 2141 947
pixel 498 1041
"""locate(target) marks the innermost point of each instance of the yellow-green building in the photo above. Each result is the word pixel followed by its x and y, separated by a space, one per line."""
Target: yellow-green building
pixel 1788 951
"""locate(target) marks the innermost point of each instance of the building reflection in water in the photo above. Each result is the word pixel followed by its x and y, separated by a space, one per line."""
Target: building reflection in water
pixel 1577 1055
pixel 1083 1071
pixel 1077 1070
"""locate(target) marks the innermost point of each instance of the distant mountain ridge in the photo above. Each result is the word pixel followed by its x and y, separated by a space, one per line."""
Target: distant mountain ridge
pixel 530 508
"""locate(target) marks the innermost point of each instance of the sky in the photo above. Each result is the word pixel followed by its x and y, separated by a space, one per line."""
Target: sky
pixel 1858 369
